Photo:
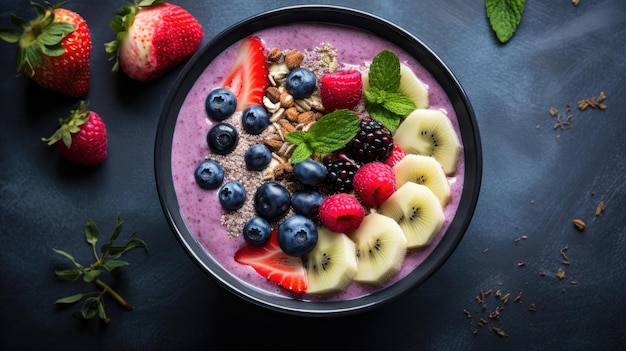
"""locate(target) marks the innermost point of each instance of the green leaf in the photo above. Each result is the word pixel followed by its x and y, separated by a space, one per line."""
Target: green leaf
pixel 301 153
pixel 296 137
pixel 386 117
pixel 90 308
pixel 118 228
pixel 10 35
pixel 374 95
pixel 91 232
pixel 91 275
pixel 70 299
pixel 113 264
pixel 504 17
pixel 19 21
pixel 398 104
pixel 101 313
pixel 333 131
pixel 69 257
pixel 68 275
pixel 384 73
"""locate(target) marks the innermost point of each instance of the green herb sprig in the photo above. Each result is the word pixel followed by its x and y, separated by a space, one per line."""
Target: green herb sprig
pixel 384 103
pixel 330 133
pixel 107 259
pixel 504 17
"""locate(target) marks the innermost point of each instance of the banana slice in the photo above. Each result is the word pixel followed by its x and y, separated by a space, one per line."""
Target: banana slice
pixel 332 264
pixel 410 86
pixel 380 247
pixel 423 170
pixel 430 132
pixel 417 211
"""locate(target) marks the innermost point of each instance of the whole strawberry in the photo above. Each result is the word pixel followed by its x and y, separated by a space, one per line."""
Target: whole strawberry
pixel 54 49
pixel 82 137
pixel 153 37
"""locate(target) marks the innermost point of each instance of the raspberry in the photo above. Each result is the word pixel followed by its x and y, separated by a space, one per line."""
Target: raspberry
pixel 372 143
pixel 374 182
pixel 339 176
pixel 341 213
pixel 341 89
pixel 396 155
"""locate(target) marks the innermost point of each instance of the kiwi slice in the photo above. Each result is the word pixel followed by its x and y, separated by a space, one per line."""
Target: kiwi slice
pixel 430 133
pixel 425 170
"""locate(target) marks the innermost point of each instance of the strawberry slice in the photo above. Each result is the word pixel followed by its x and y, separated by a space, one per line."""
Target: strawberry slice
pixel 341 89
pixel 272 263
pixel 247 78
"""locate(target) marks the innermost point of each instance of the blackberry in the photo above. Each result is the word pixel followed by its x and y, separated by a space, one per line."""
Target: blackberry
pixel 340 175
pixel 372 143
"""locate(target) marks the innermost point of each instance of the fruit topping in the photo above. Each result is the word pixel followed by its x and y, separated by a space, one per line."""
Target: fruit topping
pixel 257 157
pixel 412 87
pixel 297 235
pixel 222 138
pixel 373 142
pixel 209 174
pixel 423 170
pixel 309 172
pixel 340 176
pixel 430 132
pixel 232 195
pixel 380 249
pixel 341 212
pixel 332 264
pixel 275 265
pixel 300 83
pixel 396 155
pixel 257 231
pixel 374 182
pixel 81 137
pixel 341 89
pixel 220 104
pixel 306 202
pixel 248 76
pixel 417 211
pixel 272 201
pixel 255 119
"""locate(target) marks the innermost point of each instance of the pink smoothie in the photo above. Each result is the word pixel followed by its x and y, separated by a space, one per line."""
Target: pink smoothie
pixel 201 209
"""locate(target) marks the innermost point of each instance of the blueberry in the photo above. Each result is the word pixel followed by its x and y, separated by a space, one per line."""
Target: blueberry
pixel 300 83
pixel 209 174
pixel 222 138
pixel 232 195
pixel 297 235
pixel 309 172
pixel 257 157
pixel 220 103
pixel 306 202
pixel 255 119
pixel 257 231
pixel 272 201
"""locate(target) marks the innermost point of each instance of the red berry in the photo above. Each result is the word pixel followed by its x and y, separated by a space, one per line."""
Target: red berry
pixel 396 155
pixel 82 137
pixel 341 213
pixel 341 89
pixel 374 182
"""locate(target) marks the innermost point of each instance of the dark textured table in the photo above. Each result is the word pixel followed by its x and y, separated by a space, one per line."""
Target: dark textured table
pixel 536 180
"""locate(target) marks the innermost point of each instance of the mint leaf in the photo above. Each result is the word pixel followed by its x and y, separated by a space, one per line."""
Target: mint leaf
pixel 504 17
pixel 398 104
pixel 384 71
pixel 70 299
pixel 330 133
pixel 384 116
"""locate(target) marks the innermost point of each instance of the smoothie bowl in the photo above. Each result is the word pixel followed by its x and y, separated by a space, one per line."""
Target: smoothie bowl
pixel 318 160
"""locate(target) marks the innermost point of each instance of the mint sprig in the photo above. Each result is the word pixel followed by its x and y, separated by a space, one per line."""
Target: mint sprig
pixel 384 103
pixel 504 17
pixel 108 260
pixel 330 133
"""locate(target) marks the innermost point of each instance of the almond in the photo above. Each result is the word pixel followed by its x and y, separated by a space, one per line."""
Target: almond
pixel 293 59
pixel 579 224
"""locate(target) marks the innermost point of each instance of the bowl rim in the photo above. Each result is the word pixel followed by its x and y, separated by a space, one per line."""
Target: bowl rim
pixel 335 15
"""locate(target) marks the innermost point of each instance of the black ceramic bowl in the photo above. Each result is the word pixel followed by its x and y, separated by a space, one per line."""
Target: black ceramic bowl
pixel 376 27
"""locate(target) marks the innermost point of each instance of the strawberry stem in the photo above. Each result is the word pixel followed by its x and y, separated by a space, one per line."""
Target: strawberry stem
pixel 114 294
